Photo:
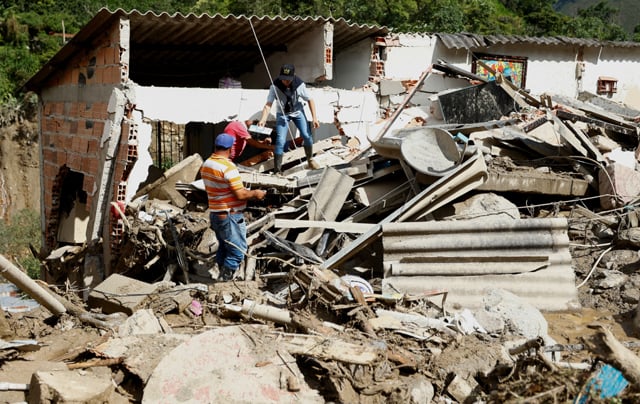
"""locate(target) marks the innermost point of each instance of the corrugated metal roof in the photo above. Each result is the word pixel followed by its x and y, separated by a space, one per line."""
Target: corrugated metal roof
pixel 472 41
pixel 527 257
pixel 197 50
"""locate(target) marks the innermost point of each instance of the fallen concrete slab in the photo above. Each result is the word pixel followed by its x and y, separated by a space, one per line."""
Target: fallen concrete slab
pixel 228 365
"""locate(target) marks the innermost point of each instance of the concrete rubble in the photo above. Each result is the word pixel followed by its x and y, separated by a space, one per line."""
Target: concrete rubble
pixel 414 270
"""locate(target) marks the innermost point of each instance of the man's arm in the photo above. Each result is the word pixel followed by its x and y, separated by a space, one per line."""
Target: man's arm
pixel 244 194
pixel 260 144
pixel 265 113
pixel 312 107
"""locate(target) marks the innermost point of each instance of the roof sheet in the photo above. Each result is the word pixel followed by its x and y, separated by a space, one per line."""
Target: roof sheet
pixel 470 41
pixel 180 50
pixel 528 257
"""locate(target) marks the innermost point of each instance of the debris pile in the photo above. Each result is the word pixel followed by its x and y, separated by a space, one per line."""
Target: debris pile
pixel 418 268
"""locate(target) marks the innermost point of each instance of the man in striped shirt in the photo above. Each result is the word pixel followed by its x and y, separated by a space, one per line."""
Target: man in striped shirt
pixel 227 198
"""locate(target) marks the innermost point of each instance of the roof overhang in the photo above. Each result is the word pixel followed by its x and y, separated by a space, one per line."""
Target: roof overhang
pixel 197 50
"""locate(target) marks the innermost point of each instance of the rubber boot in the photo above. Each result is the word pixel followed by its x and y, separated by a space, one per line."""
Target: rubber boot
pixel 226 274
pixel 311 163
pixel 277 163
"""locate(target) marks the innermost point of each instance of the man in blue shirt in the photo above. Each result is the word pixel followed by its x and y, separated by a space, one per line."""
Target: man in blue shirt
pixel 289 90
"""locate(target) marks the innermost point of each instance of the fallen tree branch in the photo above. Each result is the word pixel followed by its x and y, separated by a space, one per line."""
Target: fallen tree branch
pixel 103 321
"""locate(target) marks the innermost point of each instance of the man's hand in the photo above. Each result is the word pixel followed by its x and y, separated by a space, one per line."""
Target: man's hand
pixel 316 124
pixel 259 194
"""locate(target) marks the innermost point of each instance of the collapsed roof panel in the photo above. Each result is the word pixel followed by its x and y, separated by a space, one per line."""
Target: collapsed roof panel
pixel 528 257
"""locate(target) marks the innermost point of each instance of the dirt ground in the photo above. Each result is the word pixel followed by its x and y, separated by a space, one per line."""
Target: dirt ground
pixel 67 340
pixel 19 169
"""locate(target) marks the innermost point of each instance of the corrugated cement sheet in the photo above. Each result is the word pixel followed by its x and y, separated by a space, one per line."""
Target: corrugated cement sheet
pixel 197 50
pixel 473 41
pixel 527 257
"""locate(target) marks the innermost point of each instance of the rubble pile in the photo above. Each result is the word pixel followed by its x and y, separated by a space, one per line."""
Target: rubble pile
pixel 419 268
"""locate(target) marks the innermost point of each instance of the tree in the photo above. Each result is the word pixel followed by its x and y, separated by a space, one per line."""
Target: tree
pixel 598 21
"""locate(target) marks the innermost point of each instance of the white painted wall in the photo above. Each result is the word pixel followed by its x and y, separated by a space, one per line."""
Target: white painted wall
pixel 551 69
pixel 410 58
pixel 620 63
pixel 306 53
pixel 355 109
pixel 351 66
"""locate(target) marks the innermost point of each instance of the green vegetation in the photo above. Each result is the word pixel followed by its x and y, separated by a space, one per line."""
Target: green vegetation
pixel 32 31
pixel 15 238
pixel 626 12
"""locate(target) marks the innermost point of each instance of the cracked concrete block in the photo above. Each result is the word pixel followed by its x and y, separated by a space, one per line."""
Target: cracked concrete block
pixel 67 386
pixel 618 185
pixel 119 293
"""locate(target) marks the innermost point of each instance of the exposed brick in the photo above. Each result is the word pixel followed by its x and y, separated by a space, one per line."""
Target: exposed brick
pixel 48 155
pixel 116 75
pixel 47 200
pixel 88 183
pixel 93 147
pixel 98 128
pixel 68 142
pixel 58 108
pixel 74 161
pixel 73 127
pixel 73 109
pixel 99 110
pixel 98 77
pixel 85 128
pixel 112 55
pixel 119 170
pixel 61 157
pixel 50 171
pixel 89 165
pixel 75 73
pixel 100 57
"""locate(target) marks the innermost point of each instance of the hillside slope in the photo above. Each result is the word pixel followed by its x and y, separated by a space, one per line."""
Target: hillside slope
pixel 628 11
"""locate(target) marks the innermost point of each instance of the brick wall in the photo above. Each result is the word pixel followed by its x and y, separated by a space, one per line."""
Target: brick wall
pixel 376 64
pixel 73 120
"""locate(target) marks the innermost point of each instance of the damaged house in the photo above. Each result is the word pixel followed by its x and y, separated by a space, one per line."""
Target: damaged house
pixel 466 182
pixel 132 94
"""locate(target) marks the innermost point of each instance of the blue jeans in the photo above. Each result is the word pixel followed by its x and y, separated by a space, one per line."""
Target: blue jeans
pixel 282 127
pixel 231 228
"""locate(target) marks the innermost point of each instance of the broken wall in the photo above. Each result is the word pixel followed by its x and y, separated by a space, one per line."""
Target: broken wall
pixel 75 120
pixel 351 69
pixel 407 56
pixel 355 110
pixel 561 69
pixel 307 52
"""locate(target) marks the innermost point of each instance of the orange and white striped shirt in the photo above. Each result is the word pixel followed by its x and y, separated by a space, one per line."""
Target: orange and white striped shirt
pixel 220 178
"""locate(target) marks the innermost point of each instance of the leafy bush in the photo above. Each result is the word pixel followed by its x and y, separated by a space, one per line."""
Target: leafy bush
pixel 15 238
